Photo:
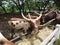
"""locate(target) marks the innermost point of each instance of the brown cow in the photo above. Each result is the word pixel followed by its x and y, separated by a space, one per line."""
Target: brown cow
pixel 47 17
pixel 57 20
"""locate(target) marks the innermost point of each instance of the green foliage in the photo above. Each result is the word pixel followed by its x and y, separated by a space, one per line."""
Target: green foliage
pixel 26 6
pixel 39 4
pixel 57 2
pixel 53 5
pixel 29 5
pixel 1 10
pixel 11 9
pixel 57 42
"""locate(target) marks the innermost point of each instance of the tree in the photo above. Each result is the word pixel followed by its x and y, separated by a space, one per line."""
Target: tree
pixel 2 6
pixel 57 2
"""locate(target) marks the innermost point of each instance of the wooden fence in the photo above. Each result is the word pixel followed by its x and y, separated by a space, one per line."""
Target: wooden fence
pixel 51 38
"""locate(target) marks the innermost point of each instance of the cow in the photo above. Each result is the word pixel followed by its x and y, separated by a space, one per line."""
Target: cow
pixel 57 19
pixel 25 24
pixel 52 15
pixel 18 25
pixel 48 16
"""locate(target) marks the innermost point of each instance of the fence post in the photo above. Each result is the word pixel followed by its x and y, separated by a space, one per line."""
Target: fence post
pixel 58 33
pixel 54 34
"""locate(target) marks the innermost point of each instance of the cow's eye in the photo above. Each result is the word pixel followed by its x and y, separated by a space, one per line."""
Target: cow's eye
pixel 16 23
pixel 11 23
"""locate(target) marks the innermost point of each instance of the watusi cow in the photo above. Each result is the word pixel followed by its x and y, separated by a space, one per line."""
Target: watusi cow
pixel 35 22
pixel 57 19
pixel 53 15
pixel 18 25
pixel 47 17
pixel 25 24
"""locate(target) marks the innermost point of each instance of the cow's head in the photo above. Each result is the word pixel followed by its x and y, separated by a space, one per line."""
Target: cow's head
pixel 48 16
pixel 19 23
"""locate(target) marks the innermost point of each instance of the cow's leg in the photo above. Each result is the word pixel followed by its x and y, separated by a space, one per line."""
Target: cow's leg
pixel 12 33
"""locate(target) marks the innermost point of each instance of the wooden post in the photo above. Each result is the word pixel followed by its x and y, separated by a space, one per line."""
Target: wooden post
pixel 50 39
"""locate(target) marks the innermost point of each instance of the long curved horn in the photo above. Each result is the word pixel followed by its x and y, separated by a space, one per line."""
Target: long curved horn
pixel 25 17
pixel 38 17
pixel 46 24
pixel 29 15
pixel 48 13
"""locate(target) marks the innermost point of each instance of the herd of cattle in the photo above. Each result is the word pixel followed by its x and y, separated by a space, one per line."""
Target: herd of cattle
pixel 35 20
pixel 27 24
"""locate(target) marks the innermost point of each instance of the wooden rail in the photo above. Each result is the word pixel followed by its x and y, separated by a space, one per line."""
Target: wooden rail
pixel 51 38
